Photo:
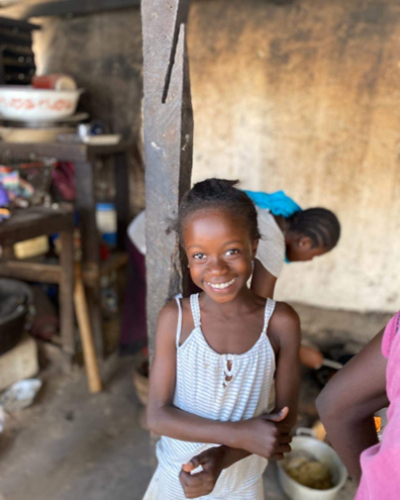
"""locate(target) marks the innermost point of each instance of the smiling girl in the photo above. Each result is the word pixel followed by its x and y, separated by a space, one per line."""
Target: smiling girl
pixel 225 359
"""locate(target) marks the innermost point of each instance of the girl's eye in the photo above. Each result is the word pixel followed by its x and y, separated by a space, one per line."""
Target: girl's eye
pixel 233 251
pixel 199 256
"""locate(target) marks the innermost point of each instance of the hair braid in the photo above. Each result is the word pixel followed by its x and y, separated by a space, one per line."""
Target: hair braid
pixel 219 194
pixel 319 224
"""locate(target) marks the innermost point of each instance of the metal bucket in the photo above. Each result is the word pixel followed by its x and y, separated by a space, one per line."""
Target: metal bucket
pixel 325 454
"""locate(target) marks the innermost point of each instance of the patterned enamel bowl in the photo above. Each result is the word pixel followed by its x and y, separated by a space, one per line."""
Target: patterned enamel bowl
pixel 27 103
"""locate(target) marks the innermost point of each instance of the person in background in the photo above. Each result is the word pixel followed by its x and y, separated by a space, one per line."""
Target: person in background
pixel 288 234
pixel 134 325
pixel 366 384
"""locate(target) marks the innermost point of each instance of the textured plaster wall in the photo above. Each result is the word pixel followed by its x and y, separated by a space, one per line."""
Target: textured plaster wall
pixel 305 96
pixel 302 96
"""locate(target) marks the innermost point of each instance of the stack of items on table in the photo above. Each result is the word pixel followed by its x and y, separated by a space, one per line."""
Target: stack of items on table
pixel 41 112
pixel 23 185
pixel 47 112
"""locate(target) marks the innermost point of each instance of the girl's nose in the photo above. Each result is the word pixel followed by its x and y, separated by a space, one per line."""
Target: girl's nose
pixel 218 266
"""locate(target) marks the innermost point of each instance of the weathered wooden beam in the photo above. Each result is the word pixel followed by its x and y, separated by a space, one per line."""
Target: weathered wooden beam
pixel 168 127
pixel 31 271
pixel 67 8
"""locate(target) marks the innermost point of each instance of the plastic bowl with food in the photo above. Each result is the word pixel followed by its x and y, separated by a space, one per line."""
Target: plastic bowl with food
pixel 312 457
pixel 28 104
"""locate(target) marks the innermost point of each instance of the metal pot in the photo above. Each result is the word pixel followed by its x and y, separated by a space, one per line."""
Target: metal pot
pixel 325 454
pixel 12 324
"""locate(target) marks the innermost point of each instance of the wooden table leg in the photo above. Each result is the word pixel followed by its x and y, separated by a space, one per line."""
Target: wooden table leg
pixel 8 252
pixel 121 176
pixel 66 294
pixel 86 205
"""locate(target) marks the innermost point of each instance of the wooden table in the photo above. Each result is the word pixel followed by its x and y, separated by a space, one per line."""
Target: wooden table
pixel 84 158
pixel 40 221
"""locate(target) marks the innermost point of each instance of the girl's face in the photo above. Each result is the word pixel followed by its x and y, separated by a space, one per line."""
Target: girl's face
pixel 301 249
pixel 220 253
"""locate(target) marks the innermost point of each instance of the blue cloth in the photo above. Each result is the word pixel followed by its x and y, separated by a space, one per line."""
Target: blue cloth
pixel 4 199
pixel 277 203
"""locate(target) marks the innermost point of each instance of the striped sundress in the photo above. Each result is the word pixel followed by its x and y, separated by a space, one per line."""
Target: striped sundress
pixel 225 387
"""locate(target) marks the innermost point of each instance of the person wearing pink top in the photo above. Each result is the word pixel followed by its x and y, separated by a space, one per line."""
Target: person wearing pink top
pixel 368 383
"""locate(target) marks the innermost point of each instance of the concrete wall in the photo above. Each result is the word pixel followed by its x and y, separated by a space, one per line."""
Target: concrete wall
pixel 305 96
pixel 298 95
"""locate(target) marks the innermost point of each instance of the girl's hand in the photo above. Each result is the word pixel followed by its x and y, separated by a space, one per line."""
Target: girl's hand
pixel 267 435
pixel 216 459
pixel 202 483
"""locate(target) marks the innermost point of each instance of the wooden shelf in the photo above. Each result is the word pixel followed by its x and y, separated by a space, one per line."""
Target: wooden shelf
pixel 60 151
pixel 35 221
pixel 30 271
pixel 67 8
pixel 39 270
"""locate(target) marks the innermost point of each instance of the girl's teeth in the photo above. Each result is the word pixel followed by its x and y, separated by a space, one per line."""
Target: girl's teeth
pixel 221 286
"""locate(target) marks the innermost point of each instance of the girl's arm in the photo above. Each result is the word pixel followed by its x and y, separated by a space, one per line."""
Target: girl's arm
pixel 263 282
pixel 285 330
pixel 256 435
pixel 163 418
pixel 347 404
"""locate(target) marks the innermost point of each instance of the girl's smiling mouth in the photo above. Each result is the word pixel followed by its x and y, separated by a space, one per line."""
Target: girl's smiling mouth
pixel 221 286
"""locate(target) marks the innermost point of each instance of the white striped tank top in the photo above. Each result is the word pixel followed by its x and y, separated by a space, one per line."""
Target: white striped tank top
pixel 225 387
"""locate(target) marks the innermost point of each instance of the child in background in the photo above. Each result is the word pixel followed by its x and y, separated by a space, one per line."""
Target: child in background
pixel 225 359
pixel 290 234
pixel 365 385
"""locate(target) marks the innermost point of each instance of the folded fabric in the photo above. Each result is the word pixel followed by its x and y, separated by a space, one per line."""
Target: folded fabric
pixel 277 203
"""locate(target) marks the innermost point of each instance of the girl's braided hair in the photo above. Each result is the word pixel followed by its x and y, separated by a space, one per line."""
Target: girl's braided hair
pixel 319 224
pixel 219 194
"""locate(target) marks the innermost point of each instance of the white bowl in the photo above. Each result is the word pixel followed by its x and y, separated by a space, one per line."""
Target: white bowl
pixel 27 103
pixel 325 454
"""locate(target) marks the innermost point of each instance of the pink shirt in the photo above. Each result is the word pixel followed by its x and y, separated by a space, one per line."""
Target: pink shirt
pixel 380 464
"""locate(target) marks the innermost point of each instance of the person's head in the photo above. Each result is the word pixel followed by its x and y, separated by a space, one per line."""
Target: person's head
pixel 218 228
pixel 311 233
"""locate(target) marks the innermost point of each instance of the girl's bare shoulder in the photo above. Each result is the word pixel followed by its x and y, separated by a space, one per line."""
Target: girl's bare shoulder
pixel 285 323
pixel 169 318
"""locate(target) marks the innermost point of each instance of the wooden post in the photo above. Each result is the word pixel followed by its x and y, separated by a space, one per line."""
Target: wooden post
pixel 168 134
pixel 86 205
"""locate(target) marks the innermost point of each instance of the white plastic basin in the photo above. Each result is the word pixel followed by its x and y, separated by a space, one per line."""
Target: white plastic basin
pixel 29 104
pixel 325 454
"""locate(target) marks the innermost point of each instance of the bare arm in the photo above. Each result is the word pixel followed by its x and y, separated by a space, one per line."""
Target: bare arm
pixel 263 282
pixel 163 418
pixel 285 327
pixel 348 402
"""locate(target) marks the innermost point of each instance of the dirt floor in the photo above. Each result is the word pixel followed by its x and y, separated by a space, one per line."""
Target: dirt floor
pixel 70 445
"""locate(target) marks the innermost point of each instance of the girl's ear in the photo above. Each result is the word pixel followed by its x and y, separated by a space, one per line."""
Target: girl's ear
pixel 254 247
pixel 304 242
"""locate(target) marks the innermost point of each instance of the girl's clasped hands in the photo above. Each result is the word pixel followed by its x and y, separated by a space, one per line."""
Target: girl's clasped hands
pixel 267 435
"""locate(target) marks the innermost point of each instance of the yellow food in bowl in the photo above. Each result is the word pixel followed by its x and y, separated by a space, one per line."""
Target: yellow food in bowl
pixel 309 472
